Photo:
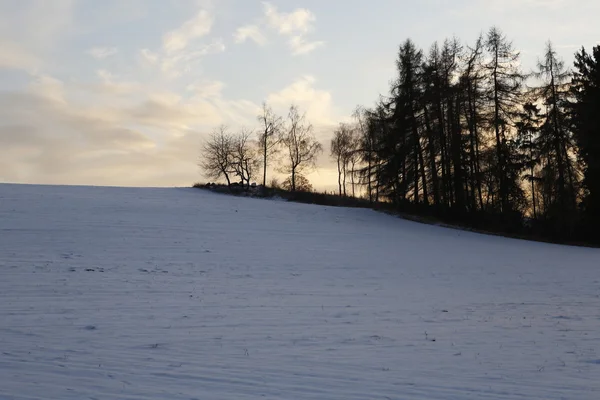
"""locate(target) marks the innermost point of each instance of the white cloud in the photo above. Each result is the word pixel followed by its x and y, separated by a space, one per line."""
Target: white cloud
pixel 252 32
pixel 317 103
pixel 192 29
pixel 48 87
pixel 206 89
pixel 181 50
pixel 101 53
pixel 48 136
pixel 59 129
pixel 300 20
pixel 149 56
pixel 300 46
pixel 179 63
pixel 294 25
pixel 235 113
pixel 111 85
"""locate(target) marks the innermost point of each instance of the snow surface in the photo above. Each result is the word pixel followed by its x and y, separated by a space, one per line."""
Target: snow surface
pixel 116 293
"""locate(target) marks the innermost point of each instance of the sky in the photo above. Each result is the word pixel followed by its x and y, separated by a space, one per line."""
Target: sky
pixel 123 92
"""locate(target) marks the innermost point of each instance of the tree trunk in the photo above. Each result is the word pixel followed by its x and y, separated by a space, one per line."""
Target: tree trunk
pixel 352 177
pixel 344 163
pixel 501 168
pixel 339 168
pixel 456 156
pixel 432 157
pixel 265 164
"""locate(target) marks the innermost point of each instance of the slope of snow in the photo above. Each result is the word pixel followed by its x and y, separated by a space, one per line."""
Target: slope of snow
pixel 114 293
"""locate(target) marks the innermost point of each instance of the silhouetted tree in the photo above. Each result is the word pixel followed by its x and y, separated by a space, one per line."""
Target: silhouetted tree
pixel 353 157
pixel 471 84
pixel 244 157
pixel 504 83
pixel 528 128
pixel 585 122
pixel 459 130
pixel 269 136
pixel 555 142
pixel 341 146
pixel 301 145
pixel 366 122
pixel 402 168
pixel 217 155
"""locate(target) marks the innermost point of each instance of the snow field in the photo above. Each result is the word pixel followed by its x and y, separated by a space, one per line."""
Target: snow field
pixel 119 293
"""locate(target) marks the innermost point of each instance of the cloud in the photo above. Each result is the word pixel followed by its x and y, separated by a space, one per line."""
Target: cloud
pixel 63 127
pixel 111 85
pixel 101 53
pixel 149 56
pixel 299 20
pixel 47 124
pixel 206 89
pixel 64 133
pixel 252 32
pixel 235 113
pixel 181 52
pixel 176 64
pixel 49 88
pixel 294 25
pixel 300 46
pixel 191 30
pixel 317 103
pixel 45 137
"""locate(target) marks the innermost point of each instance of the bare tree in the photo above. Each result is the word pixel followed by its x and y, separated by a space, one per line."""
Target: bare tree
pixel 366 122
pixel 217 155
pixel 354 156
pixel 301 145
pixel 340 145
pixel 269 136
pixel 244 157
pixel 345 147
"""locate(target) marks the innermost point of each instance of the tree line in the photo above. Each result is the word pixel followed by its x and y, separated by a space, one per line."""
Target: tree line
pixel 241 155
pixel 463 134
pixel 466 134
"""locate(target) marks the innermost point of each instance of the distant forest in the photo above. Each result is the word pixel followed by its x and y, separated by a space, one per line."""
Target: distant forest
pixel 464 135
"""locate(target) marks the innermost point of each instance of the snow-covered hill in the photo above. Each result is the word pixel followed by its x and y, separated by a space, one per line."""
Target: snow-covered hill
pixel 114 293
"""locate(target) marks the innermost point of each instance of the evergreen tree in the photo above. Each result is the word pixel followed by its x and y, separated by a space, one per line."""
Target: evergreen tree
pixel 528 128
pixel 459 131
pixel 471 86
pixel 504 84
pixel 407 96
pixel 585 121
pixel 556 142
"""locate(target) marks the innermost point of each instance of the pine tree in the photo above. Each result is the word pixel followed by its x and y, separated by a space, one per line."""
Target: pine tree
pixel 556 141
pixel 585 121
pixel 528 128
pixel 407 116
pixel 471 85
pixel 504 80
